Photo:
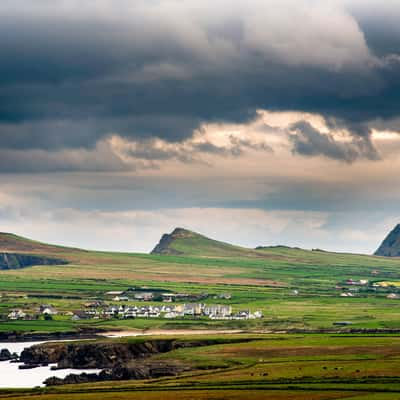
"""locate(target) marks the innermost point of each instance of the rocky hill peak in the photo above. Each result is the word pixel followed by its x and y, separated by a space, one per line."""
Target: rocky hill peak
pixel 390 247
pixel 164 245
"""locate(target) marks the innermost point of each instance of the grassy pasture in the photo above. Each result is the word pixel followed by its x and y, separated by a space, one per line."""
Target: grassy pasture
pixel 261 367
pixel 262 279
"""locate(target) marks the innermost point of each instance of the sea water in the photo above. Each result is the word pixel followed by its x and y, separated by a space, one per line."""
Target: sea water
pixel 13 377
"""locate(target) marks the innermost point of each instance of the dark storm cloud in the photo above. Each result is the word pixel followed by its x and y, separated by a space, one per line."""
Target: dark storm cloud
pixel 308 141
pixel 102 159
pixel 380 24
pixel 192 151
pixel 69 76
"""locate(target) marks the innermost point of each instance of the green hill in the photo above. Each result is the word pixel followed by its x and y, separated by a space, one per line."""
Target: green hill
pixel 18 244
pixel 18 252
pixel 185 242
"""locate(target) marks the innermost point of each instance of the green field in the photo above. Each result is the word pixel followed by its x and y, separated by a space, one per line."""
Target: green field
pixel 262 367
pixel 264 279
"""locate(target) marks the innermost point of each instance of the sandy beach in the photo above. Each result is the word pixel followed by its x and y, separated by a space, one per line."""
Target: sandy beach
pixel 162 332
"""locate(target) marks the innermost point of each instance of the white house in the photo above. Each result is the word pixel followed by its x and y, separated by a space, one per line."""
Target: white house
pixel 17 314
pixel 49 311
pixel 121 298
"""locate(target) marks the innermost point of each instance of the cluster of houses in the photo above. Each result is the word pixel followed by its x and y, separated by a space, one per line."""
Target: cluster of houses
pixel 99 310
pixel 143 295
pixel 175 305
pixel 44 310
pixel 350 287
pixel 212 311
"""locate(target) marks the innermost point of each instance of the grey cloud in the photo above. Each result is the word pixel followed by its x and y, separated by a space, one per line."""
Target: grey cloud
pixel 308 141
pixel 130 156
pixel 192 151
pixel 101 159
pixel 70 76
pixel 115 192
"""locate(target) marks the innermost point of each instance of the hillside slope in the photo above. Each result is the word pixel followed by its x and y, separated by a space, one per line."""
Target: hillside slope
pixel 18 252
pixel 185 242
pixel 10 243
pixel 189 257
pixel 390 247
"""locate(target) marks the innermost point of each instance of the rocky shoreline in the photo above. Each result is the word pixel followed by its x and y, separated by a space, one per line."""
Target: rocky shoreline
pixel 142 370
pixel 6 355
pixel 118 360
pixel 106 353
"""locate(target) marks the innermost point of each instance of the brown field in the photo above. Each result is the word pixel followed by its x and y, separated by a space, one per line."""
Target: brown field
pixel 190 395
pixel 134 272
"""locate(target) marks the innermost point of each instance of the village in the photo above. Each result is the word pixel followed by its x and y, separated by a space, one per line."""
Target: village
pixel 212 311
pixel 143 302
pixel 108 309
pixel 125 311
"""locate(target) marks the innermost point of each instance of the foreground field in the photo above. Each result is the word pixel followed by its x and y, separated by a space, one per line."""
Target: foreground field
pixel 207 394
pixel 260 367
pixel 258 394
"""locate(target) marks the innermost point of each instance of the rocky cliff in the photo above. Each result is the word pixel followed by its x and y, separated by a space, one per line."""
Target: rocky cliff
pixel 185 242
pixel 390 247
pixel 16 260
pixel 93 354
pixel 117 359
pixel 141 370
pixel 5 355
pixel 164 245
pixel 105 354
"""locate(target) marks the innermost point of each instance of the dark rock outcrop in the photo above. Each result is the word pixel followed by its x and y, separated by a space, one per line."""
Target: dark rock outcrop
pixel 122 372
pixel 16 261
pixel 72 379
pixel 6 355
pixel 28 366
pixel 164 245
pixel 390 247
pixel 94 354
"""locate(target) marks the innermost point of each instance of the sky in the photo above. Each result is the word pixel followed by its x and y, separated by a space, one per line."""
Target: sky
pixel 257 122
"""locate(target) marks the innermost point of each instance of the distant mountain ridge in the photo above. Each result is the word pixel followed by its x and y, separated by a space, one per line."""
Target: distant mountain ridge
pixel 390 247
pixel 185 242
